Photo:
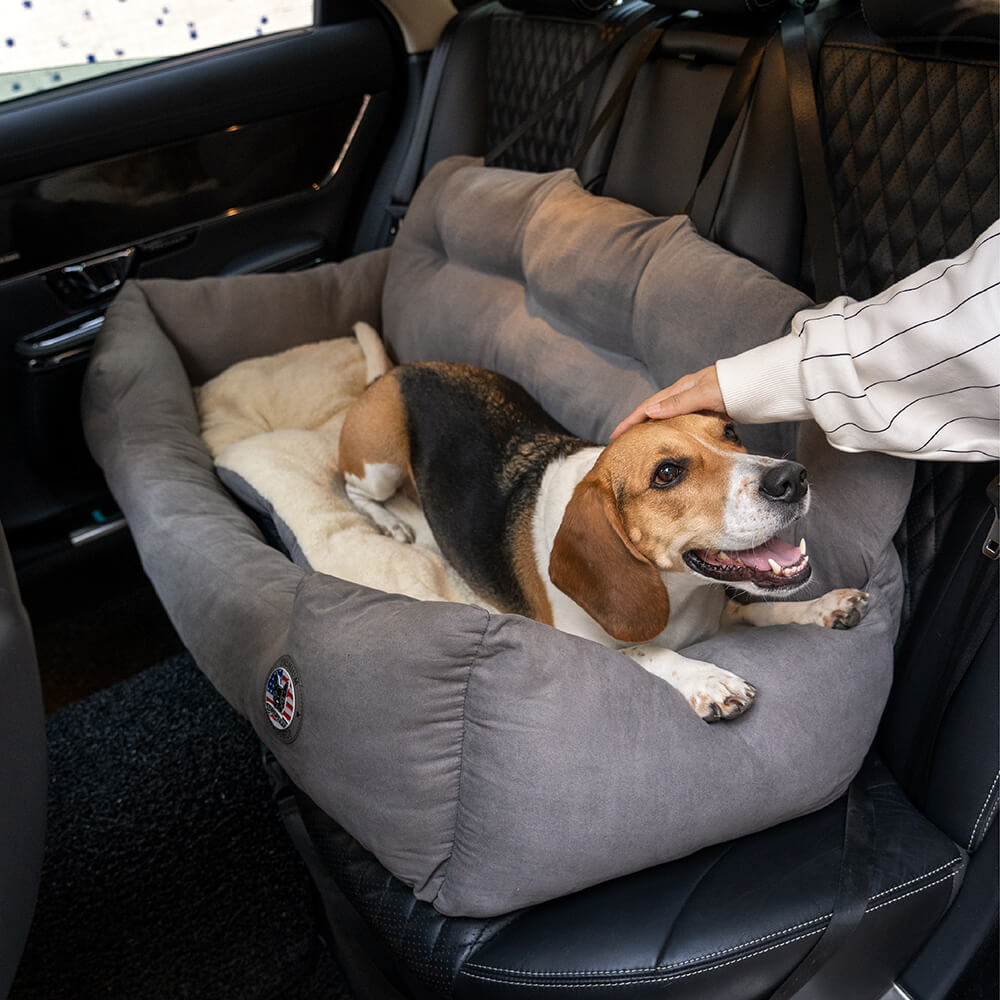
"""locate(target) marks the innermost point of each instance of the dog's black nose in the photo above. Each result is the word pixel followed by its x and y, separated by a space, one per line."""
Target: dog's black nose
pixel 786 482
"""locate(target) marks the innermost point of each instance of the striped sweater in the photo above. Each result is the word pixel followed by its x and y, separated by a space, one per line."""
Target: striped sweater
pixel 914 371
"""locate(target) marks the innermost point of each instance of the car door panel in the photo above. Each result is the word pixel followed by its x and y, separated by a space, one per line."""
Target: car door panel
pixel 79 211
pixel 253 157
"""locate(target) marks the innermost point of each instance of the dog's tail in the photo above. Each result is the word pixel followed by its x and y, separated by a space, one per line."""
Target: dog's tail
pixel 377 362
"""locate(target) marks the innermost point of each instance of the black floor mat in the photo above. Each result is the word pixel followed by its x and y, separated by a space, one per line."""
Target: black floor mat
pixel 167 871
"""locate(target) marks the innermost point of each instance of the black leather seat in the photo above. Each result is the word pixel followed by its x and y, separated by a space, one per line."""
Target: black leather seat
pixel 22 739
pixel 733 921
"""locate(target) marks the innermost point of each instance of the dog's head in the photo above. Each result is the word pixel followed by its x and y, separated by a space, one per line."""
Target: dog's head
pixel 680 495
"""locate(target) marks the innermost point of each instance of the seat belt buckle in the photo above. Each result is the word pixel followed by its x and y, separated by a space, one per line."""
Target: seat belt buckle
pixel 991 547
pixel 395 214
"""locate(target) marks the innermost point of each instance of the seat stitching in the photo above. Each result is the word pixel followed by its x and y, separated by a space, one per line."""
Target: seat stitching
pixel 653 968
pixel 715 954
pixel 912 892
pixel 903 885
pixel 651 979
pixel 979 818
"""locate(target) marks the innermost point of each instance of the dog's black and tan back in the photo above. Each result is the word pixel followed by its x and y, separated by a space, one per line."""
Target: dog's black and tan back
pixel 473 446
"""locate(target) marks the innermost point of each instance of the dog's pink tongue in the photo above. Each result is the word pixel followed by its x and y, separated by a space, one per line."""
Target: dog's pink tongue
pixel 759 558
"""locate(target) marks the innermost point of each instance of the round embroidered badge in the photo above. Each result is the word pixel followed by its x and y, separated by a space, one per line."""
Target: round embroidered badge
pixel 280 695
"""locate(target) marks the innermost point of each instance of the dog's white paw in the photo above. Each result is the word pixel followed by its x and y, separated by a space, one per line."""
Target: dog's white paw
pixel 399 530
pixel 841 608
pixel 714 693
pixel 719 694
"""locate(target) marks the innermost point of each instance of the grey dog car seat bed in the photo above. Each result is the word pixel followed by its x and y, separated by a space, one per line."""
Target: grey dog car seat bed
pixel 489 761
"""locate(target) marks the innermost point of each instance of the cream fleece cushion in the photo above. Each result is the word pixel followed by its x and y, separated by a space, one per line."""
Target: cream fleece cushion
pixel 272 424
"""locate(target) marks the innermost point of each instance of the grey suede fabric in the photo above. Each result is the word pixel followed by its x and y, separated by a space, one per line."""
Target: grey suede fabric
pixel 296 306
pixel 489 761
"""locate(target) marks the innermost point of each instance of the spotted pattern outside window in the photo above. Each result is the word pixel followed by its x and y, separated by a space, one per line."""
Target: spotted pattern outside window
pixel 49 43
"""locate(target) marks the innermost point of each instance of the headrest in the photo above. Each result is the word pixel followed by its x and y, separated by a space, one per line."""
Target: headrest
pixel 922 20
pixel 560 8
pixel 588 8
pixel 723 8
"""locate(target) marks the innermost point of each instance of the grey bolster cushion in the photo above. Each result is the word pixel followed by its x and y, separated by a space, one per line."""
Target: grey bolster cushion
pixel 489 761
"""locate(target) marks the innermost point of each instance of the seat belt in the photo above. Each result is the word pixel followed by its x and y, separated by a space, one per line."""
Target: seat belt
pixel 613 103
pixel 821 227
pixel 854 882
pixel 735 98
pixel 603 54
pixel 409 172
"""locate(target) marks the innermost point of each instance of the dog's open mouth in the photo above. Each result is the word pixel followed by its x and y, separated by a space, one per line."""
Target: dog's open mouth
pixel 773 565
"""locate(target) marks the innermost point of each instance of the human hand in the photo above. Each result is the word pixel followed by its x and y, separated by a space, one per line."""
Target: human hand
pixel 699 391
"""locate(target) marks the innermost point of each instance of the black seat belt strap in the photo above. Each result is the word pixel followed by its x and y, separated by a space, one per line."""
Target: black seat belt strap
pixel 854 883
pixel 603 54
pixel 991 544
pixel 615 101
pixel 409 173
pixel 735 98
pixel 821 227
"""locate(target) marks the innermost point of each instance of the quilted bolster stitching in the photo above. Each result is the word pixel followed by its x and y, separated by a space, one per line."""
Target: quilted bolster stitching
pixel 982 811
pixel 954 863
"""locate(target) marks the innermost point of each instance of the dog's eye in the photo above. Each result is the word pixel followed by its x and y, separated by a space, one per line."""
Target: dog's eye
pixel 731 435
pixel 667 473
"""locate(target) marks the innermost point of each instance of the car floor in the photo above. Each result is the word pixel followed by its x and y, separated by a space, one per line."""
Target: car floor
pixel 167 871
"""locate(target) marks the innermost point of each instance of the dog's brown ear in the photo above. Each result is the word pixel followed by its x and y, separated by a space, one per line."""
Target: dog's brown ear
pixel 594 563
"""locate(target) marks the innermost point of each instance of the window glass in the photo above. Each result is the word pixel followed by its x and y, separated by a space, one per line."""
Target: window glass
pixel 49 43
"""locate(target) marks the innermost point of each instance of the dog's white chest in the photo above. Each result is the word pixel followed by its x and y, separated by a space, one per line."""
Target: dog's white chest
pixel 695 607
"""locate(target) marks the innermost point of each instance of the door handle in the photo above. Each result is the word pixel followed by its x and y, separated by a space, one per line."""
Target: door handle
pixel 87 281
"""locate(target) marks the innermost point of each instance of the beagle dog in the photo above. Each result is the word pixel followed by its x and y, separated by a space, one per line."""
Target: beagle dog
pixel 631 545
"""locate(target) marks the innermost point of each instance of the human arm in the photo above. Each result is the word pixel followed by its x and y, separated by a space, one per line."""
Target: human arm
pixel 913 371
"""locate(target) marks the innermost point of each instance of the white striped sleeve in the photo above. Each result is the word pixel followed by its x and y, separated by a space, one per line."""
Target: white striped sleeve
pixel 914 371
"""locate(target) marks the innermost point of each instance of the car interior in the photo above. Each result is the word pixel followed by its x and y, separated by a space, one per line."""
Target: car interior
pixel 837 147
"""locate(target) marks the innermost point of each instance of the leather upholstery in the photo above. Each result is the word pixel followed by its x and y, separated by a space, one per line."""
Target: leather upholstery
pixel 503 63
pixel 526 61
pixel 949 765
pixel 975 20
pixel 908 190
pixel 666 126
pixel 729 922
pixel 560 8
pixel 588 8
pixel 22 750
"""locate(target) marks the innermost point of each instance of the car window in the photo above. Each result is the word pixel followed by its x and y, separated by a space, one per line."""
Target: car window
pixel 51 43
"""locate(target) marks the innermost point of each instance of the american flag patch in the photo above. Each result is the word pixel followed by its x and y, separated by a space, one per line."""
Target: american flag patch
pixel 279 698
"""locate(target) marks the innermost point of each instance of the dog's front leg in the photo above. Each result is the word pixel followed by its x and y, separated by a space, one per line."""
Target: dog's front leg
pixel 836 609
pixel 712 692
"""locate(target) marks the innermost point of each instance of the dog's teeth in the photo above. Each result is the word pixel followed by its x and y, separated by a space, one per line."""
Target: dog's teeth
pixel 802 546
pixel 805 560
pixel 775 568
